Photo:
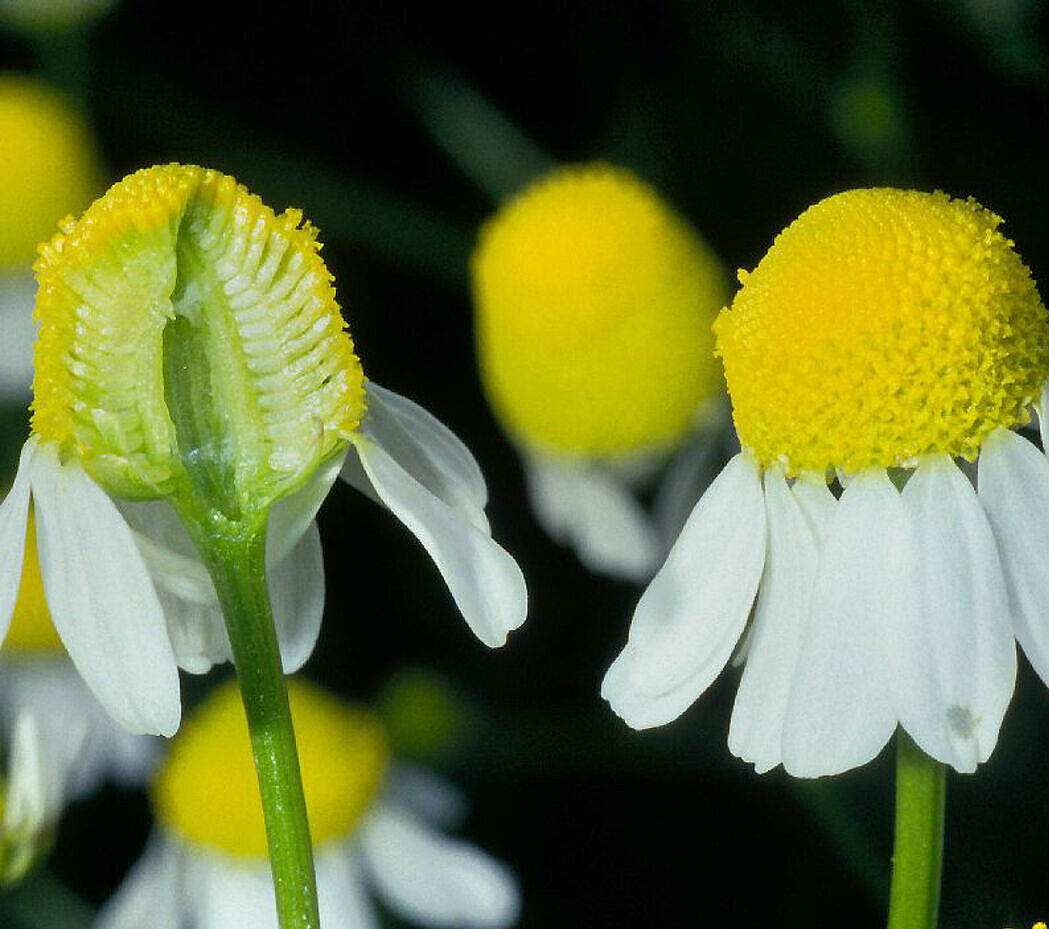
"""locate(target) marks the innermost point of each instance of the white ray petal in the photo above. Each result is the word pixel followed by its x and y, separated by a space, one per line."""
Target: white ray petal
pixel 296 586
pixel 484 580
pixel 691 616
pixel 341 892
pixel 101 598
pixel 197 632
pixel 839 715
pixel 1014 491
pixel 226 892
pixel 1043 415
pixel 432 880
pixel 14 516
pixel 426 449
pixel 952 662
pixel 152 893
pixel 291 517
pixel 427 795
pixel 596 514
pixel 780 617
pixel 38 771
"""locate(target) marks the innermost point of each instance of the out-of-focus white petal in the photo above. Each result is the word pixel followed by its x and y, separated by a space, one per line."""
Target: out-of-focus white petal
pixel 17 334
pixel 85 746
pixel 223 892
pixel 432 880
pixel 424 447
pixel 484 580
pixel 1014 491
pixel 14 516
pixel 35 780
pixel 780 617
pixel 101 598
pixel 596 514
pixel 430 797
pixel 296 586
pixel 952 662
pixel 839 715
pixel 341 893
pixel 152 894
pixel 692 614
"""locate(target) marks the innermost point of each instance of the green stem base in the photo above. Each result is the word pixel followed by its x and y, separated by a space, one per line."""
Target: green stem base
pixel 921 789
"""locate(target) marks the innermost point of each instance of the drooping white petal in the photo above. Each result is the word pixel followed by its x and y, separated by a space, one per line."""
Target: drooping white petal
pixel 291 517
pixel 595 513
pixel 426 449
pixel 692 614
pixel 341 893
pixel 952 662
pixel 780 617
pixel 152 894
pixel 296 587
pixel 839 714
pixel 432 880
pixel 295 577
pixel 101 598
pixel 484 580
pixel 223 891
pixel 1014 491
pixel 14 516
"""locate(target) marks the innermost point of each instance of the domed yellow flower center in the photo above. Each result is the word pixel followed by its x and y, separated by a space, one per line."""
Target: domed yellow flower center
pixel 190 337
pixel 594 303
pixel 883 325
pixel 206 791
pixel 47 163
pixel 32 630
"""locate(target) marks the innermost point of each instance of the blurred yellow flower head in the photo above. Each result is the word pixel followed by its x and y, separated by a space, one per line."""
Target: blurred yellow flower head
pixel 48 166
pixel 594 302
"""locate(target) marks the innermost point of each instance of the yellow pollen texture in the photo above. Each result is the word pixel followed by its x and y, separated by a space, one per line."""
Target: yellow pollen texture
pixel 47 166
pixel 180 267
pixel 31 628
pixel 593 304
pixel 206 791
pixel 883 325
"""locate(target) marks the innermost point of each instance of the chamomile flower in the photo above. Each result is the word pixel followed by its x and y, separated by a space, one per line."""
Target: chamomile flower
pixel 206 868
pixel 192 359
pixel 892 338
pixel 593 303
pixel 48 167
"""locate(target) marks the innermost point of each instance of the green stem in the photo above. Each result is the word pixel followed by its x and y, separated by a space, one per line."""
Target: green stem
pixel 237 566
pixel 921 787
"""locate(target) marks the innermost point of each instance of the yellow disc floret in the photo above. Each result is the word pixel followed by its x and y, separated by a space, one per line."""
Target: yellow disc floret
pixel 594 302
pixel 206 791
pixel 883 325
pixel 189 334
pixel 31 627
pixel 48 166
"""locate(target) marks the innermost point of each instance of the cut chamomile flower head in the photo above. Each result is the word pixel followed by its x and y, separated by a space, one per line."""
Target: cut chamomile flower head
pixel 48 167
pixel 593 304
pixel 885 336
pixel 205 866
pixel 194 384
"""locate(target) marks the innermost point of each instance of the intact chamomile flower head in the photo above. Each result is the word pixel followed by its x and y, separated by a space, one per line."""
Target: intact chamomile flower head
pixel 48 167
pixel 206 863
pixel 194 376
pixel 593 304
pixel 885 336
